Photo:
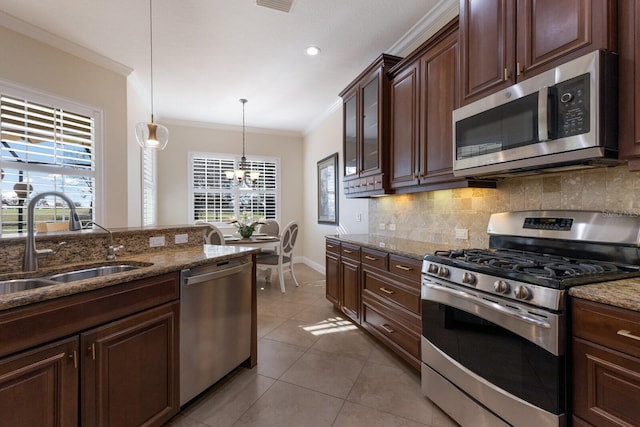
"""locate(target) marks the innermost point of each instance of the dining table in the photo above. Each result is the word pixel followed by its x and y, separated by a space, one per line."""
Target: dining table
pixel 256 241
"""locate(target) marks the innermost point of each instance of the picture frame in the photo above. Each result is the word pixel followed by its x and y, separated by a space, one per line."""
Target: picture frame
pixel 328 190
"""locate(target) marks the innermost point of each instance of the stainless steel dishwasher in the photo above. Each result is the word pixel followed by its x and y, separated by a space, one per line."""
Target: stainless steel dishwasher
pixel 215 323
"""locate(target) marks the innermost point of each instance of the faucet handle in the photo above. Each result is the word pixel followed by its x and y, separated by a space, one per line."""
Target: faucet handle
pixel 47 252
pixel 111 251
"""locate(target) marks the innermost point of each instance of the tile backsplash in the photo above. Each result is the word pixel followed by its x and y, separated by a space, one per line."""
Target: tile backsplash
pixel 435 216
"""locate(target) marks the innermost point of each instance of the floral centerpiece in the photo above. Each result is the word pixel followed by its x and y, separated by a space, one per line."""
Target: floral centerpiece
pixel 245 229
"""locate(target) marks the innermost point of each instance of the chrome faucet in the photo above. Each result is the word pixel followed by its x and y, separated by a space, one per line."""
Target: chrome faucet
pixel 111 250
pixel 31 254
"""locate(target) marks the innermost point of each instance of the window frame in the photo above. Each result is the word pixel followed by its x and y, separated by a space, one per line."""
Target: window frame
pixel 55 101
pixel 236 159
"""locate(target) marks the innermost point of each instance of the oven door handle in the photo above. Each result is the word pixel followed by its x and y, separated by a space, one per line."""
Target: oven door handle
pixel 488 304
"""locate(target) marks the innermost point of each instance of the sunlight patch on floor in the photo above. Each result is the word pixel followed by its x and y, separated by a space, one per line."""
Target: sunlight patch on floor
pixel 329 326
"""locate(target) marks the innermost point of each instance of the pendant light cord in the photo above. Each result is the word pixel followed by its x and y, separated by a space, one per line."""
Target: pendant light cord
pixel 151 55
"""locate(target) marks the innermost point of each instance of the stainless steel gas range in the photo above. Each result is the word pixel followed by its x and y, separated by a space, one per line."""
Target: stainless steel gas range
pixel 494 321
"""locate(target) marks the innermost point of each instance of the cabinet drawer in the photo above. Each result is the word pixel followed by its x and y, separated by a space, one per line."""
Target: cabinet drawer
pixel 381 322
pixel 350 251
pixel 333 246
pixel 375 258
pixel 391 291
pixel 612 327
pixel 406 267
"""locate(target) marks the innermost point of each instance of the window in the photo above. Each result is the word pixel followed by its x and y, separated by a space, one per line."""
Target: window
pixel 214 198
pixel 149 198
pixel 47 144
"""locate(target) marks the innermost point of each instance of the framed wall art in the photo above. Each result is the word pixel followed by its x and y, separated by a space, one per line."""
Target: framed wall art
pixel 328 190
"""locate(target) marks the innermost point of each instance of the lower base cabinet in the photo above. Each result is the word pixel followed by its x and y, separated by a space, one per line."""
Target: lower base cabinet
pixel 117 366
pixel 378 291
pixel 606 365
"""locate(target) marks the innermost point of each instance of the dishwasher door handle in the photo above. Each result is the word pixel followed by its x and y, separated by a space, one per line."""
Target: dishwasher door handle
pixel 199 278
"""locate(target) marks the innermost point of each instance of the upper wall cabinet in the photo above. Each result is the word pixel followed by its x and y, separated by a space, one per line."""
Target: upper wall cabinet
pixel 424 93
pixel 629 68
pixel 506 41
pixel 366 130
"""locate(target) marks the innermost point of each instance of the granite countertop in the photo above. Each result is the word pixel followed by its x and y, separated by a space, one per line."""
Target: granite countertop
pixel 619 293
pixel 405 247
pixel 153 264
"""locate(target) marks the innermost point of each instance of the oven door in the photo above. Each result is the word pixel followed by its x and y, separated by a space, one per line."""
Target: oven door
pixel 490 356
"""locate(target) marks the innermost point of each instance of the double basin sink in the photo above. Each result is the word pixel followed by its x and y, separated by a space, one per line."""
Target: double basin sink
pixel 17 285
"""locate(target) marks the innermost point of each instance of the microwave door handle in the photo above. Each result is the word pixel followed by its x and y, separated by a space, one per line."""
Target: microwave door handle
pixel 543 114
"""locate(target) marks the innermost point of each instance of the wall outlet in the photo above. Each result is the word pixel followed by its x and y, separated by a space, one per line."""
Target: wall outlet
pixel 154 242
pixel 381 226
pixel 392 227
pixel 182 238
pixel 462 233
pixel 358 217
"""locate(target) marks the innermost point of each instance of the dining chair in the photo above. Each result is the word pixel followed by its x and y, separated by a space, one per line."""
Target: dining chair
pixel 283 260
pixel 213 235
pixel 270 227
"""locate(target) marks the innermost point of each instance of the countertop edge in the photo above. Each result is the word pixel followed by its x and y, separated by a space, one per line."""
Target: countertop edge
pixel 162 262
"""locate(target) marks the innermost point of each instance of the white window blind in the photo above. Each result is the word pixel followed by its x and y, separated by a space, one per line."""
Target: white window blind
pixel 45 146
pixel 215 199
pixel 149 187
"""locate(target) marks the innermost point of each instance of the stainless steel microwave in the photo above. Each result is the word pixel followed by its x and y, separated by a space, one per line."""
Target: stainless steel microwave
pixel 564 117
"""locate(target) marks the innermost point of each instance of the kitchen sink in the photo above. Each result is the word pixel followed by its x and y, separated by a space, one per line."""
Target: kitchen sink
pixel 17 285
pixel 89 273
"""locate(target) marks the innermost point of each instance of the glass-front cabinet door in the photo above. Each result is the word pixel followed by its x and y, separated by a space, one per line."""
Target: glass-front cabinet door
pixel 350 136
pixel 370 132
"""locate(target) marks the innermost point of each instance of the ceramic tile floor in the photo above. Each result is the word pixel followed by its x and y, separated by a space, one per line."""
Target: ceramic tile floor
pixel 314 368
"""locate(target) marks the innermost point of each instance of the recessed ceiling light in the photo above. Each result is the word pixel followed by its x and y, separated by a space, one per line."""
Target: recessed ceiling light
pixel 313 50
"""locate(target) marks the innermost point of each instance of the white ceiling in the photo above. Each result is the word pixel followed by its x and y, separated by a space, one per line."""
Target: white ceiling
pixel 207 54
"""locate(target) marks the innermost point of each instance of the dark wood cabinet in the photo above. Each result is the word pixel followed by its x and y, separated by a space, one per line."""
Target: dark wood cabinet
pixel 629 84
pixel 119 365
pixel 350 281
pixel 378 291
pixel 39 387
pixel 130 369
pixel 332 271
pixel 366 130
pixel 506 41
pixel 606 365
pixel 424 93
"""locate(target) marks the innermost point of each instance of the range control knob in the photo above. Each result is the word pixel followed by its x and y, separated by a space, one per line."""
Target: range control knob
pixel 501 287
pixel 468 278
pixel 433 269
pixel 521 292
pixel 443 271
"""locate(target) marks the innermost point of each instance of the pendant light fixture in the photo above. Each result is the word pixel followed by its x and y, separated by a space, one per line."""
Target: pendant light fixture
pixel 243 176
pixel 151 135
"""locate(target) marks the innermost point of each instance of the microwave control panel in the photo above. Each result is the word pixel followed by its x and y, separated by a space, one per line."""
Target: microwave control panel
pixel 572 106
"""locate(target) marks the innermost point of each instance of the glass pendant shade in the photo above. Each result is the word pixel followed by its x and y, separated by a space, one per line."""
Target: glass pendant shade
pixel 152 135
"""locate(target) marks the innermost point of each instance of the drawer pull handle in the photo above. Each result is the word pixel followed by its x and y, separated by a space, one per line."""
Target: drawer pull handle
pixel 347 251
pixel 387 291
pixel 330 246
pixel 628 334
pixel 371 258
pixel 387 328
pixel 402 267
pixel 92 349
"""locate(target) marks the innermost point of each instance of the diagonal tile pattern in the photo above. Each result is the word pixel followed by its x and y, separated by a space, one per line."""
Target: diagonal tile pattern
pixel 315 368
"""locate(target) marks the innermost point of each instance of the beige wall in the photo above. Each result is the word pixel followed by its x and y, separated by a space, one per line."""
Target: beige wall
pixel 40 67
pixel 173 172
pixel 323 141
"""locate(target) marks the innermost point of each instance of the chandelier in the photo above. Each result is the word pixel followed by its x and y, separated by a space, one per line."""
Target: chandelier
pixel 151 135
pixel 242 176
